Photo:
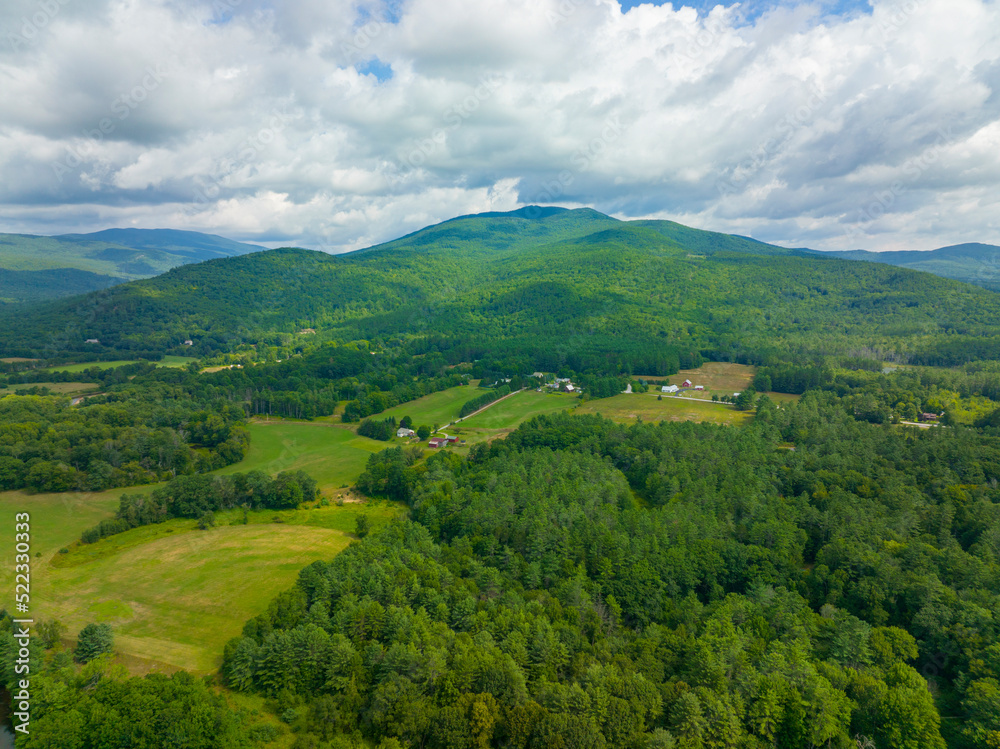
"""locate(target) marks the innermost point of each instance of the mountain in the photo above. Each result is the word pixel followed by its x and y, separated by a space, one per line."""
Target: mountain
pixel 973 262
pixel 540 286
pixel 36 268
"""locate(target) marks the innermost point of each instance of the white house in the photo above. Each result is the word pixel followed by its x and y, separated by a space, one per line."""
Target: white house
pixel 404 432
pixel 669 388
pixel 92 340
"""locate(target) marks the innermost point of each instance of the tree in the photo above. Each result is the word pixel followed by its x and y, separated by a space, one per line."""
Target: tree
pixel 406 422
pixel 745 400
pixel 423 432
pixel 206 521
pixel 362 526
pixel 50 631
pixel 94 640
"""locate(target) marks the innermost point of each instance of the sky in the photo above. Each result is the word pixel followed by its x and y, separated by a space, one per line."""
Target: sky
pixel 339 124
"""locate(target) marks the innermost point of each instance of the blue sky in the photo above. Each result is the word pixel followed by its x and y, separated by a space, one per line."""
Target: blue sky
pixel 754 8
pixel 338 124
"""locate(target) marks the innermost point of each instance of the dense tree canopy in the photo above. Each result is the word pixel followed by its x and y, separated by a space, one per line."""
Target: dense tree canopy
pixel 658 585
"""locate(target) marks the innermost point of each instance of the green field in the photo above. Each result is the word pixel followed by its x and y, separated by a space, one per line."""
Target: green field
pixel 174 594
pixel 437 408
pixel 503 417
pixel 332 454
pixel 60 388
pixel 646 406
pixel 167 361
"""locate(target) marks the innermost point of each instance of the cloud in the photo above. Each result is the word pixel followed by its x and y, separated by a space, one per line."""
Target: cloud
pixel 340 124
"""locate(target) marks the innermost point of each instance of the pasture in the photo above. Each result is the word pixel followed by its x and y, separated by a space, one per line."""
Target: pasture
pixel 59 388
pixel 646 406
pixel 437 408
pixel 167 361
pixel 332 454
pixel 173 593
pixel 503 417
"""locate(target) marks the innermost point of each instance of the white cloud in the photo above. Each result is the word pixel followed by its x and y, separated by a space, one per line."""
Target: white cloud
pixel 874 129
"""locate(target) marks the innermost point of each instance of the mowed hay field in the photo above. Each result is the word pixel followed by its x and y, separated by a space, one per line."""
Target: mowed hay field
pixel 646 406
pixel 166 361
pixel 718 378
pixel 437 408
pixel 503 417
pixel 176 598
pixel 176 594
pixel 332 454
pixel 59 388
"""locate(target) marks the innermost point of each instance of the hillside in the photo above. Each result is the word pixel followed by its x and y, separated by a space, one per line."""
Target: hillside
pixel 41 268
pixel 973 262
pixel 612 294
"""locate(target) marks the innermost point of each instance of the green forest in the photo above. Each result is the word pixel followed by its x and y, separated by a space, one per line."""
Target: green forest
pixel 826 574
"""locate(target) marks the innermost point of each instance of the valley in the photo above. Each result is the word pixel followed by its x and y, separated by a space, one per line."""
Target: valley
pixel 573 454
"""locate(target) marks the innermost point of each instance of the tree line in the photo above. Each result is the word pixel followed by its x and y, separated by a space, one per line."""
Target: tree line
pixel 197 496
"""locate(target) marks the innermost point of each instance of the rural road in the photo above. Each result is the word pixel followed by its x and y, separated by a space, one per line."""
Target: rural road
pixel 488 405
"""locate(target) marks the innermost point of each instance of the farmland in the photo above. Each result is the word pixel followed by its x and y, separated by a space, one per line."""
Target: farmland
pixel 166 361
pixel 332 454
pixel 59 388
pixel 176 594
pixel 646 406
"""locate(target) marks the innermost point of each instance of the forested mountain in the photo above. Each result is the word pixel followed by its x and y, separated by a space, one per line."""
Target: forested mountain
pixel 34 268
pixel 539 286
pixel 973 262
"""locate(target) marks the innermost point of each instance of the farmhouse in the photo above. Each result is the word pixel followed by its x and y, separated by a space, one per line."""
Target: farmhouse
pixel 669 389
pixel 404 432
pixel 686 384
pixel 92 340
pixel 189 342
pixel 929 417
pixel 437 442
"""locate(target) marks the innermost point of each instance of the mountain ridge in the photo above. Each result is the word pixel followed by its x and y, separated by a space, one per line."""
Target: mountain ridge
pixel 972 262
pixel 575 283
pixel 69 264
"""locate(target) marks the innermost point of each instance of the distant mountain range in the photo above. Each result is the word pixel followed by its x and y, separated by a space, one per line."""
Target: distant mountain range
pixel 543 287
pixel 974 263
pixel 35 268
